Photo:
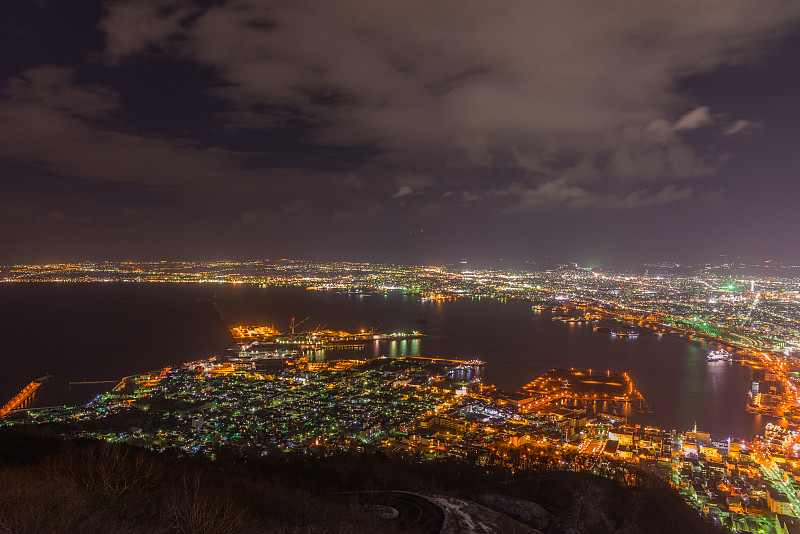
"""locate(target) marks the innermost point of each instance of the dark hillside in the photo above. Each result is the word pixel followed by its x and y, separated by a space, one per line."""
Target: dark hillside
pixel 50 486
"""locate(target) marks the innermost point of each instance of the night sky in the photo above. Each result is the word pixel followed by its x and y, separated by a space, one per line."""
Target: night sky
pixel 608 133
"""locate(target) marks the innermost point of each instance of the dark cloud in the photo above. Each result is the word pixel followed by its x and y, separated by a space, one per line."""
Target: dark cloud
pixel 374 209
pixel 469 82
pixel 738 126
pixel 557 194
pixel 49 119
pixel 315 112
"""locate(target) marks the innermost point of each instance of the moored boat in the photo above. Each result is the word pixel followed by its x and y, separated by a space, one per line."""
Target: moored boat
pixel 719 355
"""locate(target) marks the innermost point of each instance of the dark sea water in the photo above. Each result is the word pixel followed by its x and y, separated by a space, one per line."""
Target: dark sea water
pixel 112 330
pixel 100 332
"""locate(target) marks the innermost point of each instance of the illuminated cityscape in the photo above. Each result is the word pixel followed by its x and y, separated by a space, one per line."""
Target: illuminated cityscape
pixel 266 395
pixel 453 267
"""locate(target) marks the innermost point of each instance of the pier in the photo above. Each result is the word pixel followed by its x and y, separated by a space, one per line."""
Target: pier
pixel 316 339
pixel 467 363
pixel 23 397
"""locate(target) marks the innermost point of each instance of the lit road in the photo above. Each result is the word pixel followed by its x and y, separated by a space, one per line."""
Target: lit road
pixel 777 481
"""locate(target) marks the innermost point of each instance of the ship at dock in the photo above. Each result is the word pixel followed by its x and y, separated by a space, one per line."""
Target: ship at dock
pixel 569 318
pixel 314 339
pixel 615 331
pixel 719 355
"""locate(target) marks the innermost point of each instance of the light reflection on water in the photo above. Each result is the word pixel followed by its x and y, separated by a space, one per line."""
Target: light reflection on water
pixel 518 344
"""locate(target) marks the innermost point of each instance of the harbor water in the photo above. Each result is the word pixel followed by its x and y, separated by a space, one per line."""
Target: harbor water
pixel 106 331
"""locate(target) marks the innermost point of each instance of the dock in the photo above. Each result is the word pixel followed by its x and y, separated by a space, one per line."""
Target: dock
pixel 467 363
pixel 23 397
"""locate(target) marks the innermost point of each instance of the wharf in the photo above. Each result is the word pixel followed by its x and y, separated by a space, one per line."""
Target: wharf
pixel 358 340
pixel 24 396
pixel 314 340
pixel 473 362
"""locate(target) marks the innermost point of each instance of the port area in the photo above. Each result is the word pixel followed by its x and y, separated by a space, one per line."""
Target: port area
pixel 616 330
pixel 24 397
pixel 313 339
pixel 585 385
pixel 775 374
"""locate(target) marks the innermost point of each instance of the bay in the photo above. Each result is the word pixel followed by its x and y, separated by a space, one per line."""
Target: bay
pixel 111 330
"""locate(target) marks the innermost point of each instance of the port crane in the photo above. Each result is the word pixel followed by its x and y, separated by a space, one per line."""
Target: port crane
pixel 294 325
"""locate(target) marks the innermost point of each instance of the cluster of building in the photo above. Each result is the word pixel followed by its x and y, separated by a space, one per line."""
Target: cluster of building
pixel 214 406
pixel 437 408
pixel 245 402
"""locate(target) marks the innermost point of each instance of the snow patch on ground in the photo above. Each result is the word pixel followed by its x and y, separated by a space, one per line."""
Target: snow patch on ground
pixel 378 510
pixel 467 517
pixel 527 512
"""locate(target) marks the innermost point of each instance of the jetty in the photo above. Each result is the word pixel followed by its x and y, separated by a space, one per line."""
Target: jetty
pixel 23 397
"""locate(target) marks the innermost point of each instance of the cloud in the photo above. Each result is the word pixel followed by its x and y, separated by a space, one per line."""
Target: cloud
pixel 469 196
pixel 413 180
pixel 139 25
pixel 736 127
pixel 696 118
pixel 251 217
pixel 572 103
pixel 130 212
pixel 294 212
pixel 52 88
pixel 643 198
pixel 69 132
pixel 475 148
pixel 48 119
pixel 17 209
pixel 558 194
pixel 351 180
pixel 403 191
pixel 529 86
pixel 374 209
